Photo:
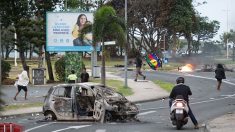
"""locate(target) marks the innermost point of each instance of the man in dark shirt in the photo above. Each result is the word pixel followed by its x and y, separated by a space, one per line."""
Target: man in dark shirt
pixel 84 76
pixel 181 89
pixel 138 62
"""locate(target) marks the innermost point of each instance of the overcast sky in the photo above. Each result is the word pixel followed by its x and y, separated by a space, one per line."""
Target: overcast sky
pixel 217 10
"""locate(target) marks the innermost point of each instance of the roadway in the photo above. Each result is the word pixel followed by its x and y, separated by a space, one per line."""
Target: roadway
pixel 206 102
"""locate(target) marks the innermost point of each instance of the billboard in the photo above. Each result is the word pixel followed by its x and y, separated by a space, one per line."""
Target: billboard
pixel 63 31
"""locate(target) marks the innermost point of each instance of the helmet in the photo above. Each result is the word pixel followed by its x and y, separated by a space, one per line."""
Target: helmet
pixel 180 80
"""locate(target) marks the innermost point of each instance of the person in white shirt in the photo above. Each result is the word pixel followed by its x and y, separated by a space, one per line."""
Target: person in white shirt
pixel 23 81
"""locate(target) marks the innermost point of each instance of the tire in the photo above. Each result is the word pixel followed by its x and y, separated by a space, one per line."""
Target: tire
pixel 50 116
pixel 178 125
pixel 108 117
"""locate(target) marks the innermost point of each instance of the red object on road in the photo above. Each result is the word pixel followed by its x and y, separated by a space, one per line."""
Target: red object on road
pixel 10 127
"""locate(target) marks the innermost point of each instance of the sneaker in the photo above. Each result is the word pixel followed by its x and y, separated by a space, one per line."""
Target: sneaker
pixel 135 80
pixel 144 77
pixel 196 127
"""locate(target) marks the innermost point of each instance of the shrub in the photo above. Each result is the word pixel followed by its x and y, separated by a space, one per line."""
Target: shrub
pixel 60 69
pixel 6 67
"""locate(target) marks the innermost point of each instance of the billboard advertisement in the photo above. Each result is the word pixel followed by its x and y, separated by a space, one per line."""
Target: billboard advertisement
pixel 63 31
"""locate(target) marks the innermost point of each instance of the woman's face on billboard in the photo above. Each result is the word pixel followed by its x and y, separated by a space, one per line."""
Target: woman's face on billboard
pixel 83 20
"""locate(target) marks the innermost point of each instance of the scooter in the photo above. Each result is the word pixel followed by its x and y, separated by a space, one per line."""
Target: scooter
pixel 179 113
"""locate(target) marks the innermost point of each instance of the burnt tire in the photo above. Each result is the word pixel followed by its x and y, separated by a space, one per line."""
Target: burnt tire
pixel 108 117
pixel 50 116
pixel 179 125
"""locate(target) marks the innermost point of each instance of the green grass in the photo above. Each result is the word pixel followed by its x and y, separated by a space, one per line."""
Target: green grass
pixel 26 105
pixel 117 86
pixel 165 85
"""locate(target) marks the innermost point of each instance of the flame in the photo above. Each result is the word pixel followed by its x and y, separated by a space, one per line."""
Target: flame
pixel 187 68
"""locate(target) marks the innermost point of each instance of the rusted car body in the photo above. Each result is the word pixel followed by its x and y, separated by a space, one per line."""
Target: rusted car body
pixel 87 101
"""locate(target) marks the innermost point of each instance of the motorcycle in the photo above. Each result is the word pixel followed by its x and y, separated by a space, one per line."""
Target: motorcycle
pixel 179 112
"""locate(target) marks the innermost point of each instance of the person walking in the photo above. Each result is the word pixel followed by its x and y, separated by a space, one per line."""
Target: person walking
pixel 22 83
pixel 72 77
pixel 84 76
pixel 219 75
pixel 138 62
pixel 184 90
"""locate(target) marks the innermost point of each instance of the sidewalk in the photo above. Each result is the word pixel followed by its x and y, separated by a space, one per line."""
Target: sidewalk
pixel 144 90
pixel 225 123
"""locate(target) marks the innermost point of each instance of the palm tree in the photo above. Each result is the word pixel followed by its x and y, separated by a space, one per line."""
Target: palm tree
pixel 107 25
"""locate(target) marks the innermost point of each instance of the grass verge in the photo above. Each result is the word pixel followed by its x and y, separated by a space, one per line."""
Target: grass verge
pixel 164 85
pixel 117 86
pixel 19 106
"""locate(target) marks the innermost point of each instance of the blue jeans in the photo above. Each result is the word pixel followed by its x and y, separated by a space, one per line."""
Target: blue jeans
pixel 190 113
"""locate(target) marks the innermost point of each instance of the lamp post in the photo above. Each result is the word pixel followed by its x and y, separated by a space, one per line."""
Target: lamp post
pixel 126 45
pixel 0 53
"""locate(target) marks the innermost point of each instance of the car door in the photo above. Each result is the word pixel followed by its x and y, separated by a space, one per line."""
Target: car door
pixel 62 102
pixel 98 105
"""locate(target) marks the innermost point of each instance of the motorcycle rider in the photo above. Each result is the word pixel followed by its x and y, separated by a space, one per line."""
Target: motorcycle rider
pixel 184 90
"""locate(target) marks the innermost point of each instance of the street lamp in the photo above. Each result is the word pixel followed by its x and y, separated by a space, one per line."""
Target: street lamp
pixel 126 45
pixel 0 52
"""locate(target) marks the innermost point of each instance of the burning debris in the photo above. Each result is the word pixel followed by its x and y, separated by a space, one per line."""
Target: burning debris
pixel 186 68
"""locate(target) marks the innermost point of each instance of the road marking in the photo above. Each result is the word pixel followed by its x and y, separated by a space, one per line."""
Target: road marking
pixel 145 113
pixel 38 127
pixel 72 127
pixel 206 101
pixel 100 130
pixel 153 108
pixel 225 81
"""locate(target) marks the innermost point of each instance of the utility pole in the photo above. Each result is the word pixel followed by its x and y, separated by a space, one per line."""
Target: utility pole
pixel 227 30
pixel 126 44
pixel 0 52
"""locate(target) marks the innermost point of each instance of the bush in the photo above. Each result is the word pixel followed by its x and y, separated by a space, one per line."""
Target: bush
pixel 6 67
pixel 60 69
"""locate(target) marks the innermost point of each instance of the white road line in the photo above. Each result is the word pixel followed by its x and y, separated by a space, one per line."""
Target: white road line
pixel 206 101
pixel 225 81
pixel 145 113
pixel 100 130
pixel 71 127
pixel 28 130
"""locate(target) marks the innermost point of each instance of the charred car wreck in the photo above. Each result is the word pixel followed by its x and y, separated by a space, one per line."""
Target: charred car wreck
pixel 87 101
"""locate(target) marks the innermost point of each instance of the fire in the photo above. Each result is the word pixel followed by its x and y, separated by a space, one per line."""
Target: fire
pixel 187 68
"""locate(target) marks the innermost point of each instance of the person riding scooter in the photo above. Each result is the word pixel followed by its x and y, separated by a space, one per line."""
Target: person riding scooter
pixel 184 90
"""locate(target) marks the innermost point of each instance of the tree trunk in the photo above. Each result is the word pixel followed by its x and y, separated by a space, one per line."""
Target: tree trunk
pixel 174 44
pixel 23 61
pixel 103 65
pixel 31 51
pixel 49 66
pixel 40 61
pixel 189 39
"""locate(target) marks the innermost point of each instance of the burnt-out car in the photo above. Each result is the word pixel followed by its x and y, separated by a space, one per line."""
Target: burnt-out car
pixel 87 101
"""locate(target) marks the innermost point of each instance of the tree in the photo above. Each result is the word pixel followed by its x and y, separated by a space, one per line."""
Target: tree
pixel 16 12
pixel 205 30
pixel 181 20
pixel 41 7
pixel 107 25
pixel 8 40
pixel 144 31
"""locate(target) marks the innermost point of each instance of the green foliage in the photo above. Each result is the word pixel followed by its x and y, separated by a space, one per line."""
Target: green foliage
pixel 107 25
pixel 211 49
pixel 6 67
pixel 73 61
pixel 60 69
pixel 181 17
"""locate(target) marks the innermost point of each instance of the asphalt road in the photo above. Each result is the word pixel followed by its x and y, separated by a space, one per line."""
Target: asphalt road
pixel 206 102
